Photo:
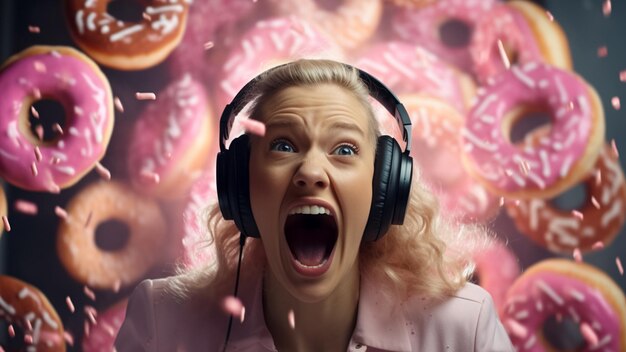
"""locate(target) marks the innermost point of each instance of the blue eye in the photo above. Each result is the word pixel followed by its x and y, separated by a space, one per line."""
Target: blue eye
pixel 281 145
pixel 346 150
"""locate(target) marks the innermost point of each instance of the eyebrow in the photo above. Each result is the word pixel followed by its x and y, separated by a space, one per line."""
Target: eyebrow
pixel 283 123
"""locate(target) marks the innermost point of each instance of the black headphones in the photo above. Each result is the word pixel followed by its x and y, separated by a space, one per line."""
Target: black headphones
pixel 393 168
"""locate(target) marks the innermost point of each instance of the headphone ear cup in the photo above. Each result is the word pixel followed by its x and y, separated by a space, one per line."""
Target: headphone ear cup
pixel 384 188
pixel 238 186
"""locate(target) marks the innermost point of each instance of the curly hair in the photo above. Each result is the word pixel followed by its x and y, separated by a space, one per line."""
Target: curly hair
pixel 424 256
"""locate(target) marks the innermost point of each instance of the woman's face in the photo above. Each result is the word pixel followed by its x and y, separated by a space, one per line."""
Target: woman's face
pixel 316 151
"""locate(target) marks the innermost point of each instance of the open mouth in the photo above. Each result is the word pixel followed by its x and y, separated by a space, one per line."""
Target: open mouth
pixel 311 238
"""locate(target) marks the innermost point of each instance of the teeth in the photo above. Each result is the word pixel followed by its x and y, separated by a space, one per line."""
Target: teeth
pixel 309 209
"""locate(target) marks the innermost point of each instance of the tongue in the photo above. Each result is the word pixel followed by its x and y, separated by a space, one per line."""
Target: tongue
pixel 308 249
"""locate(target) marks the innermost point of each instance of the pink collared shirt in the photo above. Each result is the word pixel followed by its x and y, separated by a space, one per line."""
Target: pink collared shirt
pixel 157 321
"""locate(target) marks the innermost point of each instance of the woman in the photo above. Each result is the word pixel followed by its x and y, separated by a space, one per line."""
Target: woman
pixel 310 283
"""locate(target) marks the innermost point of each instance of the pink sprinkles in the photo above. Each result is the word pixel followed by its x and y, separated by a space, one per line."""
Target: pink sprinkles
pixel 7 225
pixel 620 268
pixel 145 96
pixel 25 207
pixel 616 103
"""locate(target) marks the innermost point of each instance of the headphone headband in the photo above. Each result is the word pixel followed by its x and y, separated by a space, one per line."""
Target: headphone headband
pixel 376 89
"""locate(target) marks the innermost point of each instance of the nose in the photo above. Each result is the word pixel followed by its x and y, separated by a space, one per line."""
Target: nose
pixel 311 173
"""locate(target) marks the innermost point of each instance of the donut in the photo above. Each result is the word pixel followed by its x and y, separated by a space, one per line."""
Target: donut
pixel 496 268
pixel 558 160
pixel 410 69
pixel 526 34
pixel 71 78
pixel 560 287
pixel 197 250
pixel 171 140
pixel 24 306
pixel 102 203
pixel 206 23
pixel 127 45
pixel 445 28
pixel 269 43
pixel 102 335
pixel 436 144
pixel 350 23
pixel 601 216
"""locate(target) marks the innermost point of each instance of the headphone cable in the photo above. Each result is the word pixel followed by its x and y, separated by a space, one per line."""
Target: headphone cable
pixel 242 242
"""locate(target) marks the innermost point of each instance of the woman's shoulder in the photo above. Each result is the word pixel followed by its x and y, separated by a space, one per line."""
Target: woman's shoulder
pixel 466 318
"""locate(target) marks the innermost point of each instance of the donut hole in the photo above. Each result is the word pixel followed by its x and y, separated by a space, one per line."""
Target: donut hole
pixel 46 119
pixel 574 198
pixel 112 235
pixel 526 122
pixel 127 10
pixel 563 334
pixel 455 33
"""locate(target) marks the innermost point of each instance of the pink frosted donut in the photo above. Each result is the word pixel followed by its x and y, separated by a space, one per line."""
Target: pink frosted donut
pixel 512 23
pixel 69 77
pixel 599 219
pixel 102 335
pixel 558 160
pixel 196 251
pixel 269 43
pixel 410 69
pixel 559 287
pixel 445 28
pixel 497 268
pixel 171 140
pixel 350 24
pixel 204 21
pixel 127 45
pixel 437 145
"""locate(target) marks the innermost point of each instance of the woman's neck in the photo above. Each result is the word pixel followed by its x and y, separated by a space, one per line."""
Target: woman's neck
pixel 326 325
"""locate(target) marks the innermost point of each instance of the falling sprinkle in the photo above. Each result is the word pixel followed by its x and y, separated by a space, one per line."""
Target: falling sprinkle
pixel 36 93
pixel 89 293
pixel 254 127
pixel 118 104
pixel 11 330
pixel 103 171
pixel 620 268
pixel 588 333
pixel 597 245
pixel 25 207
pixel 501 201
pixel 516 328
pixel 146 16
pixel 606 8
pixel 91 314
pixel 503 55
pixel 622 76
pixel 549 14
pixel 38 156
pixel 57 128
pixel 34 29
pixel 616 103
pixel 578 257
pixel 68 338
pixel 5 221
pixel 34 112
pixel 70 305
pixel 233 306
pixel 578 214
pixel 150 176
pixel 598 177
pixel 86 328
pixel 292 319
pixel 117 285
pixel 595 203
pixel 208 45
pixel 33 169
pixel 614 148
pixel 39 132
pixel 88 220
pixel 61 212
pixel 145 96
pixel 28 339
pixel 603 51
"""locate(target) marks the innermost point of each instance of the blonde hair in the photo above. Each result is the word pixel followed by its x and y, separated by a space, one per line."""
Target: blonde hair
pixel 410 259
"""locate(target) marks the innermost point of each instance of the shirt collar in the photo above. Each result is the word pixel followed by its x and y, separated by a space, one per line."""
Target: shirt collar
pixel 380 321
